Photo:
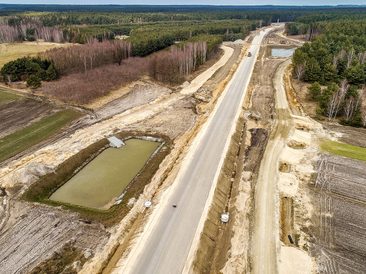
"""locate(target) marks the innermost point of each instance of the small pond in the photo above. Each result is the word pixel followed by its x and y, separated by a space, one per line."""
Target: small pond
pixel 282 52
pixel 103 179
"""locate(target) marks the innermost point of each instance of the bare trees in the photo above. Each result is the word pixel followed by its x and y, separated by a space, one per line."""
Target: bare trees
pixel 81 58
pixel 336 100
pixel 95 80
pixel 173 65
pixel 30 32
pixel 84 87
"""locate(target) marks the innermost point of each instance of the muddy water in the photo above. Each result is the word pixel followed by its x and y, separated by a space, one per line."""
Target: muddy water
pixel 282 52
pixel 106 176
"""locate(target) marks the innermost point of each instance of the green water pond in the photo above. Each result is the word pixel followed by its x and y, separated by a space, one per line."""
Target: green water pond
pixel 103 179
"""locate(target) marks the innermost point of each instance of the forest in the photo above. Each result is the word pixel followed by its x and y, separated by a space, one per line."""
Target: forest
pixel 335 64
pixel 169 66
pixel 109 38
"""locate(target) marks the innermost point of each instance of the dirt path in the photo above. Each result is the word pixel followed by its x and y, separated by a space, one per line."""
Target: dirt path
pixel 290 143
pixel 26 169
pixel 265 232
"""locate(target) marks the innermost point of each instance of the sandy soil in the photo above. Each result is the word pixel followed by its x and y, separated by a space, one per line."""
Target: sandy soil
pixel 146 106
pixel 33 233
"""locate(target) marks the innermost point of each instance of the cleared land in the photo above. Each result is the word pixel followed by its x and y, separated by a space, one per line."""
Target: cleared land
pixel 19 113
pixel 9 52
pixel 338 230
pixel 170 113
pixel 22 139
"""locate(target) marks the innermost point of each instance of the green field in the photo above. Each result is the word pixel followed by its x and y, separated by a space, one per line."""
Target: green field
pixel 23 139
pixel 7 97
pixel 345 150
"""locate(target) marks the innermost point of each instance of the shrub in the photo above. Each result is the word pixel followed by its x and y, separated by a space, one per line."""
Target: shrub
pixel 22 68
pixel 315 91
pixel 34 81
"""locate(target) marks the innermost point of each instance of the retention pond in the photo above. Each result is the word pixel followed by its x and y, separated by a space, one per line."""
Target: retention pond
pixel 282 52
pixel 104 178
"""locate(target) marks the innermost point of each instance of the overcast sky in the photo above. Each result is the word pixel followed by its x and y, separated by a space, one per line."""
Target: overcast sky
pixel 191 2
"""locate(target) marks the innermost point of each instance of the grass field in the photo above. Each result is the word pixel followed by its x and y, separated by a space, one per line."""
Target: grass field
pixel 7 97
pixel 9 52
pixel 23 139
pixel 345 150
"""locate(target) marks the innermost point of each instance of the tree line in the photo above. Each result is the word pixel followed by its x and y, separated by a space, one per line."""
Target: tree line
pixel 335 63
pixel 33 70
pixel 18 30
pixel 81 58
pixel 169 66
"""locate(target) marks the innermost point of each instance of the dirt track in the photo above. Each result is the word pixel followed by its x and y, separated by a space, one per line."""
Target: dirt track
pixel 265 230
pixel 163 111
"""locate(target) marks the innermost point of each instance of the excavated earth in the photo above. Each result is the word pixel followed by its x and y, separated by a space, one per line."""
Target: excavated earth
pixel 224 248
pixel 32 233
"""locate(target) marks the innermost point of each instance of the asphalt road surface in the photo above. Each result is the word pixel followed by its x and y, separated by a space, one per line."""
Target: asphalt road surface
pixel 167 241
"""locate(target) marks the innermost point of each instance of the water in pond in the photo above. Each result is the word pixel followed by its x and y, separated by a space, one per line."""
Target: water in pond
pixel 282 52
pixel 105 177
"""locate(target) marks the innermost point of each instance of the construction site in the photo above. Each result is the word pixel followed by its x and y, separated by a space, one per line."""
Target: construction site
pixel 289 204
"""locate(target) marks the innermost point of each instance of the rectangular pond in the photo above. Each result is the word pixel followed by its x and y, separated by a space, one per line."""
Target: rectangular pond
pixel 282 52
pixel 103 179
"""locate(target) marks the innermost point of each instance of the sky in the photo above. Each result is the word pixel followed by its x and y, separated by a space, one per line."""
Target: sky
pixel 190 2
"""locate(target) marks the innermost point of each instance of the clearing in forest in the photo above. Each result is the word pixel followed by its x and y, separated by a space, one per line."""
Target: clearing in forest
pixel 12 51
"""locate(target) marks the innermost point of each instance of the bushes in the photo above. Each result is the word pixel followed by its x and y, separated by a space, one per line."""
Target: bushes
pixel 315 91
pixel 29 69
pixel 34 81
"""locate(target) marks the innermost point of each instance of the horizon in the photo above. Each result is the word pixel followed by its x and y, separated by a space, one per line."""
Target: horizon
pixel 258 3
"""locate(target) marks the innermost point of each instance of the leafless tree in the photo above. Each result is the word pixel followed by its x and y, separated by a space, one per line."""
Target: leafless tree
pixel 336 100
pixel 299 71
pixel 19 33
pixel 349 108
pixel 362 57
pixel 85 57
pixel 350 56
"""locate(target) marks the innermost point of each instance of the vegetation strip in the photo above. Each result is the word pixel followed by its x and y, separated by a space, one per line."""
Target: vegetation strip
pixel 7 97
pixel 345 150
pixel 41 130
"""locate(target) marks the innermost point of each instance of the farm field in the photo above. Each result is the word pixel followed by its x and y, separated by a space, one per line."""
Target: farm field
pixel 16 112
pixel 12 51
pixel 338 223
pixel 7 97
pixel 38 131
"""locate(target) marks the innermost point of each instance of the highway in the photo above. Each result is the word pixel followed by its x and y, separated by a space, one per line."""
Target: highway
pixel 166 242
